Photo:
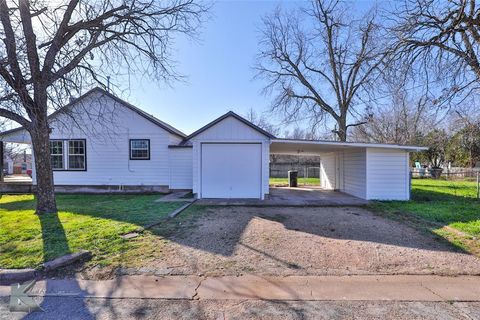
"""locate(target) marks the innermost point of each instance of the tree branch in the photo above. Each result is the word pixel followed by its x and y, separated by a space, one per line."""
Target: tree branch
pixel 15 117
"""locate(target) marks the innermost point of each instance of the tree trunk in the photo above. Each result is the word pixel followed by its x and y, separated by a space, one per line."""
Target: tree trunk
pixel 342 128
pixel 45 188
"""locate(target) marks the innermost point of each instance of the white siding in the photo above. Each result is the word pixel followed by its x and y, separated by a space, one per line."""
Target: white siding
pixel 387 174
pixel 107 127
pixel 327 171
pixel 354 172
pixel 230 130
pixel 181 161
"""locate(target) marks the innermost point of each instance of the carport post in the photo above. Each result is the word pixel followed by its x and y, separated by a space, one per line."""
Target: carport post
pixel 1 161
pixel 478 185
pixel 410 185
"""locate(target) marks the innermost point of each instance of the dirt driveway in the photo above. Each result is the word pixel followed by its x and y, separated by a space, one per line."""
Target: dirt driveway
pixel 300 241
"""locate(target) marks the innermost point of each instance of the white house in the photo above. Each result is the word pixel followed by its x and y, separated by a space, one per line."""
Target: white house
pixel 100 142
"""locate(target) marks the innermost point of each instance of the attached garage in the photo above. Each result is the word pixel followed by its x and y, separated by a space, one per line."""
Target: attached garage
pixel 230 159
pixel 226 171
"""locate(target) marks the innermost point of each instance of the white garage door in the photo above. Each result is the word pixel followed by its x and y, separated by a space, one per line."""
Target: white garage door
pixel 231 170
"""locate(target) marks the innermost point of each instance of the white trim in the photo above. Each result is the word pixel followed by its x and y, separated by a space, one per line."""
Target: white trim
pixel 62 154
pixel 84 154
pixel 407 175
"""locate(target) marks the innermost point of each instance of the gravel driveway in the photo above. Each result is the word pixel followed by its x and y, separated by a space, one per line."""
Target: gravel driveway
pixel 302 241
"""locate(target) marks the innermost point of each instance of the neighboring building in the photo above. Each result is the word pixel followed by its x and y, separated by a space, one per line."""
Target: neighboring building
pixel 17 162
pixel 112 145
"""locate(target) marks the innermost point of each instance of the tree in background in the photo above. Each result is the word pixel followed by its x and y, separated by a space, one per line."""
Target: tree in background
pixel 261 121
pixel 437 141
pixel 467 135
pixel 318 62
pixel 456 154
pixel 53 50
pixel 403 117
pixel 470 141
pixel 300 134
pixel 440 37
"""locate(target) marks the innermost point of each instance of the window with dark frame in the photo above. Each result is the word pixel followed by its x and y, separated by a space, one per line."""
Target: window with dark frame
pixel 76 155
pixel 139 149
pixel 56 154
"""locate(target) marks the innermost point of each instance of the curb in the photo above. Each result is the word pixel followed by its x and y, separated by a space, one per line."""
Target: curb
pixel 9 276
pixel 179 210
pixel 66 260
pixel 171 215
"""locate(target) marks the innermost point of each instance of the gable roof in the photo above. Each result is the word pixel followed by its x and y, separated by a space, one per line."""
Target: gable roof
pixel 139 111
pixel 226 115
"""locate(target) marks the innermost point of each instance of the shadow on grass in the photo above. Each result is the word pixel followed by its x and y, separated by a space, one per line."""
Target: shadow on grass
pixel 55 242
pixel 432 195
pixel 437 206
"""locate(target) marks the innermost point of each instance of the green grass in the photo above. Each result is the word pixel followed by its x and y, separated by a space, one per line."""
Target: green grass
pixel 450 205
pixel 284 181
pixel 90 222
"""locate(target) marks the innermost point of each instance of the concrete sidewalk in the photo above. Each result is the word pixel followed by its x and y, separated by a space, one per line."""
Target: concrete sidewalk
pixel 292 288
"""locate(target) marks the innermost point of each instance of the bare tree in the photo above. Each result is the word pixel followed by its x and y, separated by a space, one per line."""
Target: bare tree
pixel 261 121
pixel 441 37
pixel 403 116
pixel 469 133
pixel 318 61
pixel 52 50
pixel 301 134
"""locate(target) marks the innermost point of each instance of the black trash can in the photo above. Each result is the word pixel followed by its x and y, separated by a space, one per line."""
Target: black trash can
pixel 293 179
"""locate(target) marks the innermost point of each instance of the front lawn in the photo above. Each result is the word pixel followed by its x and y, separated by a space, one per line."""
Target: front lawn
pixel 451 206
pixel 90 222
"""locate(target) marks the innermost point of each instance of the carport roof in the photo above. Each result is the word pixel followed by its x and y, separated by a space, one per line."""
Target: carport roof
pixel 299 146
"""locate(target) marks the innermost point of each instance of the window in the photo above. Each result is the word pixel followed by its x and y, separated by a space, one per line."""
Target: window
pixel 75 149
pixel 76 155
pixel 56 154
pixel 139 149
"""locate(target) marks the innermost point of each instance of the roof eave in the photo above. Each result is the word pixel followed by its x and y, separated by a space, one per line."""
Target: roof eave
pixel 226 115
pixel 352 144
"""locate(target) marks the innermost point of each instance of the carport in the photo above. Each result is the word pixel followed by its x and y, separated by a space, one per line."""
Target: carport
pixel 14 182
pixel 365 170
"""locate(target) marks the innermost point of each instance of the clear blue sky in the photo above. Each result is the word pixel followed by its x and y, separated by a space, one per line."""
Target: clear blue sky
pixel 218 69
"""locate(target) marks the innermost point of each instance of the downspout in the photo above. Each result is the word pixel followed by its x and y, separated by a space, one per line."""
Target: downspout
pixel 128 158
pixel 120 187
